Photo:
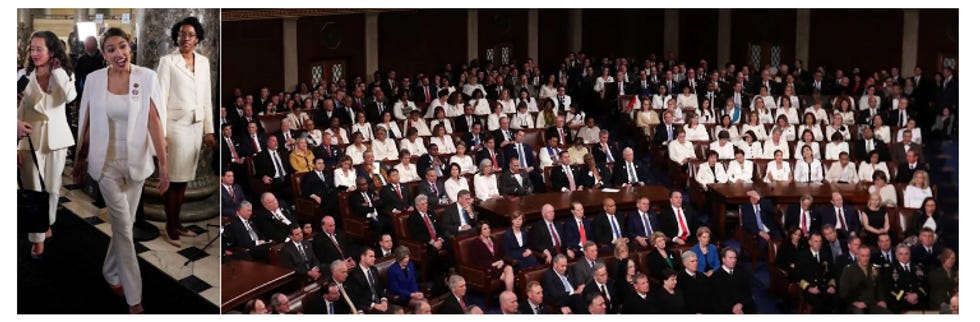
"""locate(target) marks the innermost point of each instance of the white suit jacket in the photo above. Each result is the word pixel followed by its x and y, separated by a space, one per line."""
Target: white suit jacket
pixel 143 89
pixel 185 92
pixel 46 112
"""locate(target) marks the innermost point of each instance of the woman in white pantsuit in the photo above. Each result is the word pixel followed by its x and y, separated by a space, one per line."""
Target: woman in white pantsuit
pixel 50 87
pixel 185 93
pixel 119 130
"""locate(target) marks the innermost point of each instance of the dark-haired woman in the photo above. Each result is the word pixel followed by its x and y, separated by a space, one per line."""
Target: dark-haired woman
pixel 185 93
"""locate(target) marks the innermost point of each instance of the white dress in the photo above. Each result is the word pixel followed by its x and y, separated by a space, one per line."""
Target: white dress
pixel 356 153
pixel 465 163
pixel 366 130
pixel 186 95
pixel 485 186
pixel 866 171
pixel 445 144
pixel 339 137
pixel 481 106
pixel 453 187
pixel 522 121
pixel 778 175
pixel 416 148
pixel 344 180
pixel 407 173
pixel 915 195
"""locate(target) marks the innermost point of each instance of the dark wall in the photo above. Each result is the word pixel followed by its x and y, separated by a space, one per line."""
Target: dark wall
pixel 251 56
pixel 698 36
pixel 552 38
pixel 501 26
pixel 617 32
pixel 330 37
pixel 938 33
pixel 421 41
pixel 763 26
pixel 871 39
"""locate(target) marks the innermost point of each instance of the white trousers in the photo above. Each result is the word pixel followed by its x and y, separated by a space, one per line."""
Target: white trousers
pixel 52 165
pixel 122 195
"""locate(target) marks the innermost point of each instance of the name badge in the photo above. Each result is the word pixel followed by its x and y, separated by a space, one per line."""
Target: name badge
pixel 135 92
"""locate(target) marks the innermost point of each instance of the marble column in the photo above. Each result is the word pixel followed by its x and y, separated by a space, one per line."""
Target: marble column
pixel 532 34
pixel 290 54
pixel 153 25
pixel 910 41
pixel 472 34
pixel 575 30
pixel 25 26
pixel 803 36
pixel 724 36
pixel 370 44
pixel 672 24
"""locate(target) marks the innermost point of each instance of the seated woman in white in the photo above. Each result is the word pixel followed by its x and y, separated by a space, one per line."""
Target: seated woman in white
pixel 868 167
pixel 866 100
pixel 810 124
pixel 390 126
pixel 740 170
pixel 835 102
pixel 808 168
pixel 485 183
pixel 465 161
pixel 441 120
pixel 338 135
pixel 687 100
pixel 695 130
pixel 751 147
pixel 600 82
pixel 523 119
pixel 677 112
pixel 404 106
pixel 882 132
pixel 681 150
pixel 725 124
pixel 789 93
pixel 493 120
pixel 506 102
pixel 706 113
pixel 549 154
pixel 646 118
pixel 574 117
pixel 778 170
pixel 384 148
pixel 792 114
pixel 711 171
pixel 415 121
pixel 846 111
pixel 442 140
pixel 774 143
pixel 842 171
pixel 768 100
pixel 884 189
pixel 356 148
pixel 455 182
pixel 344 176
pixel 807 140
pixel 525 97
pixel 723 146
pixel 406 168
pixel 835 147
pixel 659 100
pixel 817 110
pixel 837 126
pixel 362 126
pixel 759 107
pixel 788 131
pixel 910 126
pixel 755 126
pixel 471 87
pixel 917 190
pixel 481 105
pixel 313 136
pixel 413 144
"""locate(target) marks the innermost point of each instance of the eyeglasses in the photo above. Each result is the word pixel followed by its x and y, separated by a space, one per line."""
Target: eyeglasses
pixel 186 36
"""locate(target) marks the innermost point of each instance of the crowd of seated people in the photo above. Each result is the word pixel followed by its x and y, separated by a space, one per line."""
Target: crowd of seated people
pixel 389 175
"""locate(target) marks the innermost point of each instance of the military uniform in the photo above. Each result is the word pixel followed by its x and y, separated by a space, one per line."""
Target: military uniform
pixel 900 282
pixel 859 284
pixel 816 271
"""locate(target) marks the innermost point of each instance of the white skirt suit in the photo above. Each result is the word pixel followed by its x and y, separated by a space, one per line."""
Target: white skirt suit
pixel 121 176
pixel 45 112
pixel 186 102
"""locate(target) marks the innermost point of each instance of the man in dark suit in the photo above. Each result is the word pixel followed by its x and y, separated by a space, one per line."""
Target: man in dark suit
pixel 492 153
pixel 534 304
pixel 395 198
pixel 504 136
pixel 583 268
pixel 459 217
pixel 318 185
pixel 848 257
pixel 456 302
pixel 629 172
pixel 902 115
pixel 515 182
pixel 474 138
pixel 240 234
pixel 560 131
pixel 868 143
pixel 679 222
pixel 926 253
pixel 905 282
pixel 376 176
pixel 547 237
pixel 816 277
pixel 617 88
pixel 432 188
pixel 884 256
pixel 802 216
pixel 714 96
pixel 365 203
pixel 330 302
pixel 231 194
pixel 843 217
pixel 609 226
pixel 364 285
pixel 733 293
pixel 639 300
pixel 248 116
pixel 599 283
pixel 758 219
pixel 328 152
pixel 297 254
pixel 389 84
pixel 287 137
pixel 666 132
pixel 433 161
pixel 900 148
pixel 563 175
pixel 466 121
pixel 251 142
pixel 832 244
pixel 908 168
pixel 695 285
pixel 322 119
pixel 522 152
pixel 867 116
pixel 577 230
pixel 425 92
pixel 273 221
pixel 273 168
pixel 330 245
pixel 376 108
pixel 231 154
pixel 559 288
pixel 642 223
pixel 605 151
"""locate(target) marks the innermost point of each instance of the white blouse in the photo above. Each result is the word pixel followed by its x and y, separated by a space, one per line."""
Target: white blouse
pixel 866 171
pixel 915 195
pixel 833 150
pixel 453 187
pixel 884 133
pixel 465 163
pixel 814 146
pixel 401 109
pixel 485 186
pixel 356 153
pixel 916 135
pixel 454 110
pixel 791 115
pixel 338 138
pixel 493 121
pixel 689 101
pixel 508 106
pixel 759 130
pixel 817 133
pixel 392 128
pixel 753 151
pixel 445 144
pixel 418 125
pixel 416 148
pixel 778 175
pixel 481 106
pixel 532 104
pixel 366 130
pixel 820 115
pixel 698 133
pixel 446 123
pixel 769 149
pixel 808 173
pixel 385 150
pixel 407 173
pixel 348 180
pixel 888 196
pixel 522 121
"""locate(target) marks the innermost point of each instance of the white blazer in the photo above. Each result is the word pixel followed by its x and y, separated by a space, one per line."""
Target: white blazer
pixel 179 99
pixel 144 89
pixel 46 112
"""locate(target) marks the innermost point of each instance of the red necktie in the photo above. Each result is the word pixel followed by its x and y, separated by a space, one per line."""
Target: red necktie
pixel 399 191
pixel 493 159
pixel 231 192
pixel 680 219
pixel 554 236
pixel 231 146
pixel 256 141
pixel 840 217
pixel 462 303
pixel 427 98
pixel 581 233
pixel 561 136
pixel 803 222
pixel 428 226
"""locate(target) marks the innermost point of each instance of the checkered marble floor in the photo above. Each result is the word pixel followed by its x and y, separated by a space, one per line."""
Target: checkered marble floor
pixel 201 273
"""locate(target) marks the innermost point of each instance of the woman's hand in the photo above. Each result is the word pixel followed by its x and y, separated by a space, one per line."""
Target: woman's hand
pixel 209 141
pixel 164 181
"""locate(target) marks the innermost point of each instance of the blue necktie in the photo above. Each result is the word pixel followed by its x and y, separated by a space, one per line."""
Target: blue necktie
pixel 615 226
